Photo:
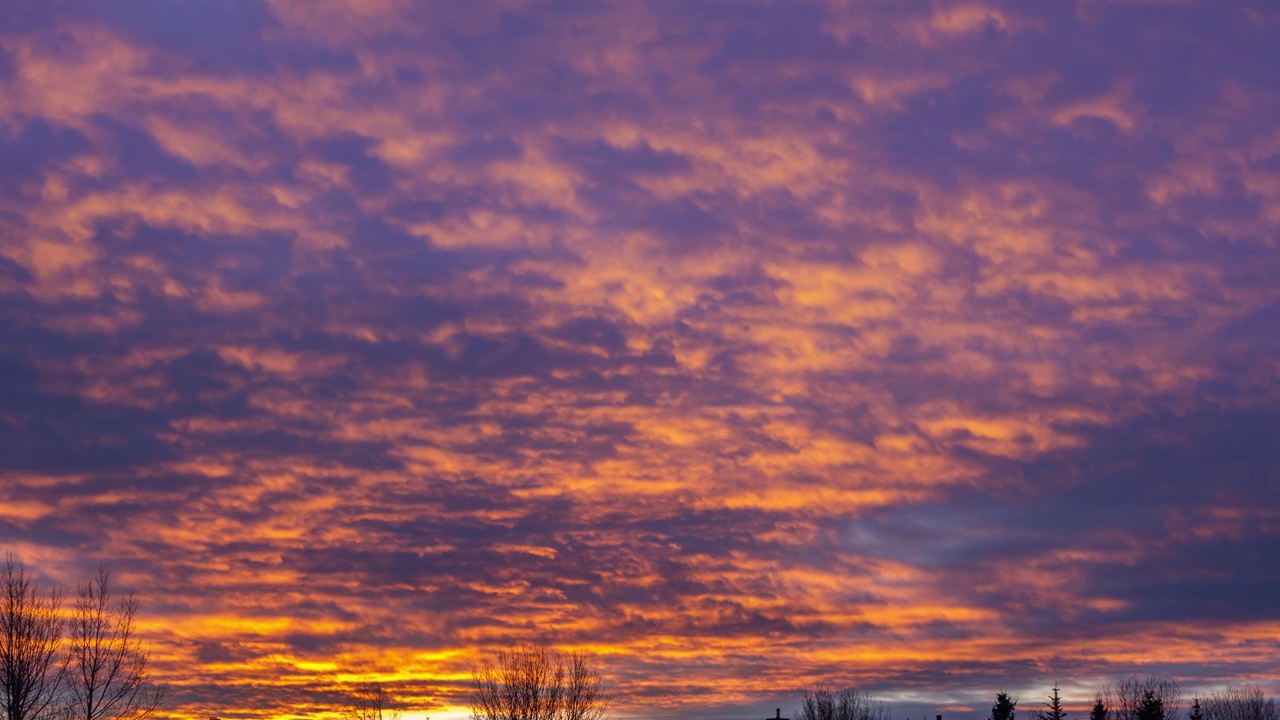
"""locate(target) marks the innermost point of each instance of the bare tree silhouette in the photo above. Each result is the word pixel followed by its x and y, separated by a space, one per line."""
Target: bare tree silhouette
pixel 844 704
pixel 584 697
pixel 533 683
pixel 107 675
pixel 1127 698
pixel 31 673
pixel 369 701
pixel 1240 703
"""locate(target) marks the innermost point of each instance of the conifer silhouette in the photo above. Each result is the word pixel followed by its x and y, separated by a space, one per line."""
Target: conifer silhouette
pixel 1004 709
pixel 1053 708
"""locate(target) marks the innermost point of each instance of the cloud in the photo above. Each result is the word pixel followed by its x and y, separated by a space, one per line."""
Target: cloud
pixel 924 346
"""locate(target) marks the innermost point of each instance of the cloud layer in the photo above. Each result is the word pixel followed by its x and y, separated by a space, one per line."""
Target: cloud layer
pixel 925 345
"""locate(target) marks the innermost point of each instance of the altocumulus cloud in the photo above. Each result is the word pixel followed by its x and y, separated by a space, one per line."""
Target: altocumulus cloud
pixel 927 345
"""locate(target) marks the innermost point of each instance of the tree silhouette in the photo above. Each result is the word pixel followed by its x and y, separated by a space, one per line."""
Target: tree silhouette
pixel 1099 710
pixel 31 675
pixel 1151 707
pixel 1004 709
pixel 1240 703
pixel 1196 713
pixel 107 675
pixel 1127 696
pixel 369 701
pixel 1053 708
pixel 584 697
pixel 534 683
pixel 845 704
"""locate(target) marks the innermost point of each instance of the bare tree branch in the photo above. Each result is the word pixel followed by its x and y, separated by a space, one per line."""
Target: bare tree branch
pixel 1126 697
pixel 533 683
pixel 843 704
pixel 1240 703
pixel 369 701
pixel 30 639
pixel 108 678
pixel 584 697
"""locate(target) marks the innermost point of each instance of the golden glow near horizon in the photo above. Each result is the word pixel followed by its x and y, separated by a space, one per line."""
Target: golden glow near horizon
pixel 745 347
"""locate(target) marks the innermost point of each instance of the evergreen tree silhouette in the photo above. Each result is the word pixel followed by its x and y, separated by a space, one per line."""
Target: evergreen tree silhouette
pixel 1151 707
pixel 1004 707
pixel 1099 710
pixel 1053 709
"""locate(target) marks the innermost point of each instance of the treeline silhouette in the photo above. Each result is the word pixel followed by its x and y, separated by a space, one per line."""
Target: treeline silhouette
pixel 88 664
pixel 1128 698
pixel 534 683
pixel 526 684
pixel 1139 698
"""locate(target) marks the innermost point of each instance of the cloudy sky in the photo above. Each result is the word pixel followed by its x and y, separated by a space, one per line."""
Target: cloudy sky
pixel 928 346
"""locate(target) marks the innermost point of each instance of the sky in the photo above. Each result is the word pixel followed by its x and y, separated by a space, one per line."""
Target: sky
pixel 930 347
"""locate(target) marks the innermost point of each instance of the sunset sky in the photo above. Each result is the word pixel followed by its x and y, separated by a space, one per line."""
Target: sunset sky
pixel 927 346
